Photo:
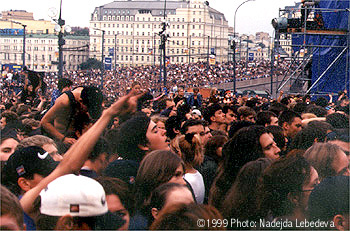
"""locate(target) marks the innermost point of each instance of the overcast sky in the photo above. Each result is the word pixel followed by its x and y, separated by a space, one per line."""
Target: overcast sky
pixel 252 17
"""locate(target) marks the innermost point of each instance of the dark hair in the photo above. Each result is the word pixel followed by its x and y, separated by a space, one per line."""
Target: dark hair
pixel 211 147
pixel 156 168
pixel 64 82
pixel 130 134
pixel 329 198
pixel 317 110
pixel 185 217
pixel 100 148
pixel 236 125
pixel 278 135
pixel 264 117
pixel 338 120
pixel 243 147
pixel 210 111
pixel 11 117
pixel 287 116
pixel 115 186
pixel 10 206
pixel 306 137
pixel 241 200
pixel 285 175
pixel 245 111
pixel 190 123
pixel 300 107
pixel 278 108
pixel 171 124
pixel 321 101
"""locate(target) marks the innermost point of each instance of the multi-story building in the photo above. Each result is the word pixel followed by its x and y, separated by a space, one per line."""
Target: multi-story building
pixel 7 19
pixel 132 32
pixel 42 51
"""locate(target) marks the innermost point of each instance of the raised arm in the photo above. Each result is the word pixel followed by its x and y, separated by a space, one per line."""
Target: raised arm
pixel 76 156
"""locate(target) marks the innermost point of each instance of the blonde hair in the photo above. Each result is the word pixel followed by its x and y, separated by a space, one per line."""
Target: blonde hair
pixel 308 116
pixel 321 156
pixel 191 150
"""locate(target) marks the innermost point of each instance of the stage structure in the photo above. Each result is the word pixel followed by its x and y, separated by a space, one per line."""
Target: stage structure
pixel 320 34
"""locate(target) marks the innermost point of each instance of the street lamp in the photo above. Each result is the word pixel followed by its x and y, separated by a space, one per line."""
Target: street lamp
pixel 102 56
pixel 234 45
pixel 60 28
pixel 24 43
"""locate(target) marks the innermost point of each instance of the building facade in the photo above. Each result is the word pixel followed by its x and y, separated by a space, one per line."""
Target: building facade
pixel 7 19
pixel 42 51
pixel 132 32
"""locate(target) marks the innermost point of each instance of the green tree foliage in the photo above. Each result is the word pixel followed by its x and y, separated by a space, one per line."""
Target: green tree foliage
pixel 91 63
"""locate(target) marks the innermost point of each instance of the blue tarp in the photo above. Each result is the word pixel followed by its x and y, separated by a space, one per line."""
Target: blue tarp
pixel 337 77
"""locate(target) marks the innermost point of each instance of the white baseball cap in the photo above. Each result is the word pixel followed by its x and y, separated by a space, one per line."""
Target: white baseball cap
pixel 75 195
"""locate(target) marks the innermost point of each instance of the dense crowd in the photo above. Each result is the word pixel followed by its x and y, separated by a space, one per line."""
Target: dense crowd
pixel 191 75
pixel 74 156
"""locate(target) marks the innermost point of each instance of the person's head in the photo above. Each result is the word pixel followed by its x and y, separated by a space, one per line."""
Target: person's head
pixel 173 126
pixel 230 114
pixel 92 98
pixel 8 118
pixel 11 217
pixel 286 185
pixel 193 126
pixel 156 168
pixel 73 202
pixel 136 87
pixel 138 136
pixel 329 201
pixel 159 120
pixel 118 198
pixel 266 118
pixel 213 147
pixel 195 90
pixel 290 121
pixel 25 168
pixel 180 92
pixel 44 142
pixel 278 136
pixel 7 147
pixel 246 113
pixel 64 84
pixel 328 159
pixel 186 217
pixel 240 201
pixel 341 138
pixel 167 195
pixel 315 131
pixel 317 110
pixel 191 150
pixel 213 114
pixel 99 157
pixel 338 120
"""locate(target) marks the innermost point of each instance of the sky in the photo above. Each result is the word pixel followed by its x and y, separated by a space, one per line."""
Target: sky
pixel 253 16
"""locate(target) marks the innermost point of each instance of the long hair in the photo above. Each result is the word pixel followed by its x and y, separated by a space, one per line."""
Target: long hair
pixel 243 147
pixel 156 168
pixel 191 150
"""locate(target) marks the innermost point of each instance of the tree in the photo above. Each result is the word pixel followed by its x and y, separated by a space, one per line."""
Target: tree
pixel 80 31
pixel 91 63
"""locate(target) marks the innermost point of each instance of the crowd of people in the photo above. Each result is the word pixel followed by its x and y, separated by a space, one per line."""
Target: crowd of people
pixel 187 75
pixel 74 156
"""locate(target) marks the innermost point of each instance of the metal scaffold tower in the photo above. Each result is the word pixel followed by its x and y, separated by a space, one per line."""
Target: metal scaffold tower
pixel 320 47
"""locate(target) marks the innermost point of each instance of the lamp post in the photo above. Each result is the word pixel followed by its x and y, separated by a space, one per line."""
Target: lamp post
pixel 234 45
pixel 102 55
pixel 24 43
pixel 60 28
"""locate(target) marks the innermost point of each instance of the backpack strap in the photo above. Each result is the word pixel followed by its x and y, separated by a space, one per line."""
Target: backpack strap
pixel 73 104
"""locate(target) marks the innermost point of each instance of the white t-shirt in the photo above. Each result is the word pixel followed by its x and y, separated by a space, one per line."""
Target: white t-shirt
pixel 197 184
